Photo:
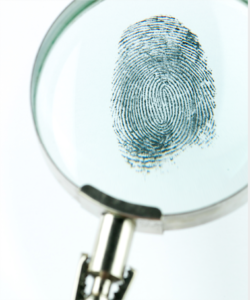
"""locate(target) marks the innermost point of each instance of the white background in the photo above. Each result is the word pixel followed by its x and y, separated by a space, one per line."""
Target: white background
pixel 43 230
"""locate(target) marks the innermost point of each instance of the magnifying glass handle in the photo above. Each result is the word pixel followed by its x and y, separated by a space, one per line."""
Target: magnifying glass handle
pixel 107 265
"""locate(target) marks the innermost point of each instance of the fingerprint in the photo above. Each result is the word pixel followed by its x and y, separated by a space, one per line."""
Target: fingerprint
pixel 163 92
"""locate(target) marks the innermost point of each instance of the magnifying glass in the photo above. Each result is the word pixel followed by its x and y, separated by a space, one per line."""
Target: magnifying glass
pixel 141 110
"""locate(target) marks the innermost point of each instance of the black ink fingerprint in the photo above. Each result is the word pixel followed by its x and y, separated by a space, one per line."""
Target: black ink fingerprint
pixel 163 92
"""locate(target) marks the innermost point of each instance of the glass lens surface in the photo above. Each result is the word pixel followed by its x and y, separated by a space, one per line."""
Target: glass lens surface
pixel 147 101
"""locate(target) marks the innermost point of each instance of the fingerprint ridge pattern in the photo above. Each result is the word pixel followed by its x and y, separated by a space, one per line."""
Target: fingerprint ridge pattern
pixel 163 92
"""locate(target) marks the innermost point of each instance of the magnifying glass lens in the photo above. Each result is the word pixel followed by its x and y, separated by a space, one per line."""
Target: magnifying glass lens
pixel 147 101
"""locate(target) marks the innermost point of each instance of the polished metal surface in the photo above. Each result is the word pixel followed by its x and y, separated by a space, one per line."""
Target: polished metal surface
pixel 107 266
pixel 100 289
pixel 112 247
pixel 80 280
pixel 153 221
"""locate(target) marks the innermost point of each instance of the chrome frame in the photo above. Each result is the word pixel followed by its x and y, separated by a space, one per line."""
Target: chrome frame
pixel 148 219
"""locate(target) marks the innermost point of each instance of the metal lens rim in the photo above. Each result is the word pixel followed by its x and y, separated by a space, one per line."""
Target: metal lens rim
pixel 148 219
